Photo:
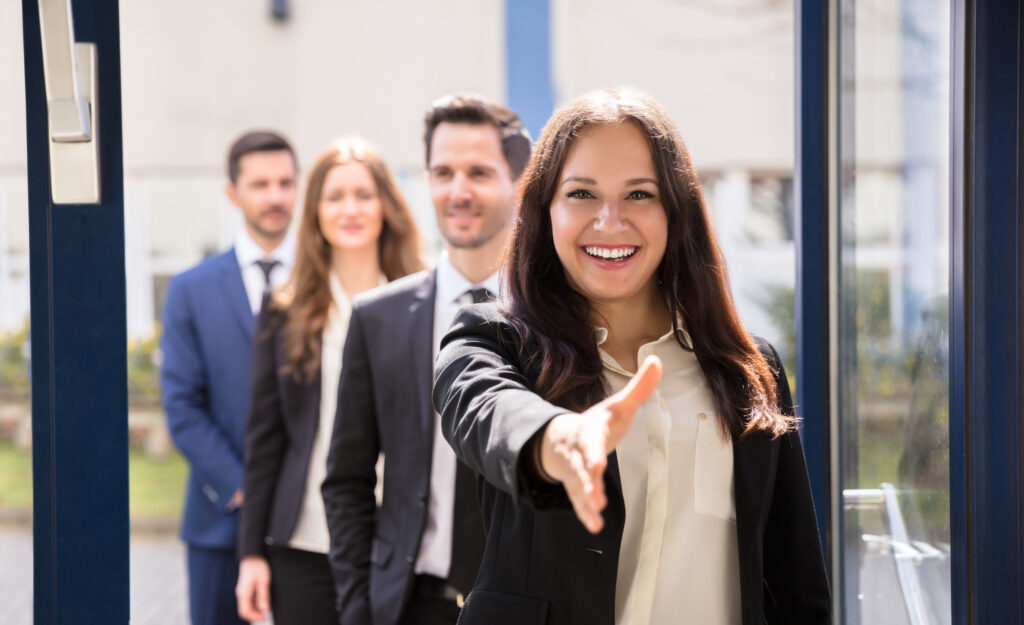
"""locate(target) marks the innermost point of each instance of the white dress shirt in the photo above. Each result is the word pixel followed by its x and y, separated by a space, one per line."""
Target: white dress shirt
pixel 679 558
pixel 248 252
pixel 310 531
pixel 435 555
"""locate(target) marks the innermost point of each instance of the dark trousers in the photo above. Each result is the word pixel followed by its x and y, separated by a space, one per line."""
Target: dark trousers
pixel 301 587
pixel 212 575
pixel 425 608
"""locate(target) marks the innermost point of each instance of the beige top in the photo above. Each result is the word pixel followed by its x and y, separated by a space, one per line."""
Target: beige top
pixel 311 527
pixel 679 560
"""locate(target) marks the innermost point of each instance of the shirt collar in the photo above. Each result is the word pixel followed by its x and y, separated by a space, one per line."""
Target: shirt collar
pixel 338 293
pixel 248 252
pixel 451 284
pixel 601 334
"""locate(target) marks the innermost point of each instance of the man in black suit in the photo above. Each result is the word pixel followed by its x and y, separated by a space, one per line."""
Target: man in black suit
pixel 413 559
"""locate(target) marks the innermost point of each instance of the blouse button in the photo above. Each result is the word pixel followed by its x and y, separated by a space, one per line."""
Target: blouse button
pixel 702 416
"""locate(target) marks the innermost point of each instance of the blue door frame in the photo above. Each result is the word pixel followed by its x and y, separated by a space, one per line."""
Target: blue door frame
pixel 987 313
pixel 79 370
pixel 812 254
pixel 986 296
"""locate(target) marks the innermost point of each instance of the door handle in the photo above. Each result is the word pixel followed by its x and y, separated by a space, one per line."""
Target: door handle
pixel 69 71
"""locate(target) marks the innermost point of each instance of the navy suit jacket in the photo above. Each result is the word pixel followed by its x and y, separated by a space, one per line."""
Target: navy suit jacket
pixel 205 381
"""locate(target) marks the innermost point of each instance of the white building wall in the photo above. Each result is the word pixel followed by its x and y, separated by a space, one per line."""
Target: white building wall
pixel 196 73
pixel 724 73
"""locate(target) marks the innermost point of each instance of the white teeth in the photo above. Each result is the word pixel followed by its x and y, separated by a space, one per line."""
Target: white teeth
pixel 612 254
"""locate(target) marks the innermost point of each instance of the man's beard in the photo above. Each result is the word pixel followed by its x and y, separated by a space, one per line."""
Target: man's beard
pixel 258 227
pixel 474 243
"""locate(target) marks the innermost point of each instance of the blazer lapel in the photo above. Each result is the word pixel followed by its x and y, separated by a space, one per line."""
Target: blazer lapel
pixel 421 312
pixel 234 292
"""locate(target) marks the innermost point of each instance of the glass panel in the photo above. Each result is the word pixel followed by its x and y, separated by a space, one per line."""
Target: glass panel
pixel 893 313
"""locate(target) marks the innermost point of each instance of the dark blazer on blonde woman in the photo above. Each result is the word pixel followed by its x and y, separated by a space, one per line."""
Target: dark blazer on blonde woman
pixel 284 415
pixel 540 564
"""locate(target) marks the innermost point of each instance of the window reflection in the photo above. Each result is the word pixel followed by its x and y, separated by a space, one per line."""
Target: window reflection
pixel 893 311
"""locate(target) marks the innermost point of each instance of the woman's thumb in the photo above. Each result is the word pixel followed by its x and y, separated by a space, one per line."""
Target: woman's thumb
pixel 627 401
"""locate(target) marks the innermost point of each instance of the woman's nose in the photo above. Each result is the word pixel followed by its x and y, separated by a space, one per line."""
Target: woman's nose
pixel 609 219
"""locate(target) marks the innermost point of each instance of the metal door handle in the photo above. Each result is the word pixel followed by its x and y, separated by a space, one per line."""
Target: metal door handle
pixel 69 70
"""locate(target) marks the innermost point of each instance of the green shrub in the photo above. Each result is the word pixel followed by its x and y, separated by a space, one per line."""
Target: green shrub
pixel 14 362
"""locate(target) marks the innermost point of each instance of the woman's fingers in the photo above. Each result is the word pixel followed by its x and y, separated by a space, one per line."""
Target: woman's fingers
pixel 252 591
pixel 246 607
pixel 574 451
pixel 263 596
pixel 584 488
pixel 595 438
pixel 588 517
pixel 584 498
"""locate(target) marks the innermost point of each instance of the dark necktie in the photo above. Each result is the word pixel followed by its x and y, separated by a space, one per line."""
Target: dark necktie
pixel 266 266
pixel 468 527
pixel 480 295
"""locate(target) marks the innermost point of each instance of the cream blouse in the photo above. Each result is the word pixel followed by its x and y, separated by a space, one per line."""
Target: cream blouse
pixel 679 560
pixel 311 527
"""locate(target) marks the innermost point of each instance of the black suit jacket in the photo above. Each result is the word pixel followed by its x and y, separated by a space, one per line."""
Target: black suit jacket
pixel 283 417
pixel 540 564
pixel 383 406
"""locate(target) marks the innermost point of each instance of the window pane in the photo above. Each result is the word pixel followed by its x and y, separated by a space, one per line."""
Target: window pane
pixel 893 317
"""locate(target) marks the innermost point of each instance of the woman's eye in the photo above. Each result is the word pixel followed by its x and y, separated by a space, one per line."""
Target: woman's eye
pixel 640 195
pixel 580 194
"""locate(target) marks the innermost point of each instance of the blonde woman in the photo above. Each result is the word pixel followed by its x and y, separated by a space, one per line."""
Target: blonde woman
pixel 356 233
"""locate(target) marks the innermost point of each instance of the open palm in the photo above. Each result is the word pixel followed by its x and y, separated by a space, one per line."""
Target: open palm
pixel 575 446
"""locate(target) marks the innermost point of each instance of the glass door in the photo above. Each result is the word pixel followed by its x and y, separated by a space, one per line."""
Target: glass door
pixel 893 311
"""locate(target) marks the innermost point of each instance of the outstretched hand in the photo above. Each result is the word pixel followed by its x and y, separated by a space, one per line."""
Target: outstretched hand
pixel 575 447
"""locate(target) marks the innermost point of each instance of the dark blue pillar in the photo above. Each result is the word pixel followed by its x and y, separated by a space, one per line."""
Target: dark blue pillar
pixel 79 393
pixel 530 90
pixel 987 313
pixel 812 252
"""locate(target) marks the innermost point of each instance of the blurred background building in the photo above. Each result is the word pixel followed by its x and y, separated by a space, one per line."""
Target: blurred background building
pixel 196 74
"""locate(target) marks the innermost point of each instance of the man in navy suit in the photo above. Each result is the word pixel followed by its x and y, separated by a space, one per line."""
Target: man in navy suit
pixel 208 323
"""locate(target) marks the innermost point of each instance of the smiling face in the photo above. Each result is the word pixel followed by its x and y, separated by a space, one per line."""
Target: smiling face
pixel 471 184
pixel 350 211
pixel 607 220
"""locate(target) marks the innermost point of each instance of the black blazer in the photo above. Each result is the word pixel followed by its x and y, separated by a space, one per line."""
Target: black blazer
pixel 383 406
pixel 540 564
pixel 283 419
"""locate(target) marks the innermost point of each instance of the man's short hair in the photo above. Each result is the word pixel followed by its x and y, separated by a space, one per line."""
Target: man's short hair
pixel 255 141
pixel 473 109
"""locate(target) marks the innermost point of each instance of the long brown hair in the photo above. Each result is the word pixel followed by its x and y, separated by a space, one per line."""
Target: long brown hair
pixel 554 319
pixel 306 299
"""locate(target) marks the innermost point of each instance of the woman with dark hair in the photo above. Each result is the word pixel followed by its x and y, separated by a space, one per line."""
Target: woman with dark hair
pixel 640 456
pixel 355 234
